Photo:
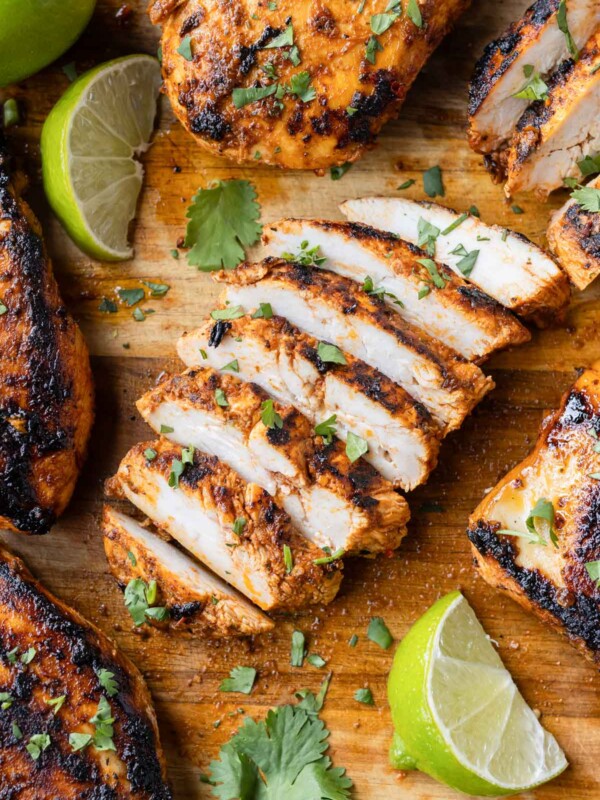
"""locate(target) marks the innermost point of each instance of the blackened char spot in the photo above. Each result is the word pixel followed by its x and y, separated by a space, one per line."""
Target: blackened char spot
pixel 210 122
pixel 185 610
pixel 220 328
pixel 278 436
pixel 247 54
pixel 192 22
pixel 581 620
pixel 368 107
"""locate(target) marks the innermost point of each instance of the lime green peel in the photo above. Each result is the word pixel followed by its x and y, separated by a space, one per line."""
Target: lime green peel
pixel 457 713
pixel 90 142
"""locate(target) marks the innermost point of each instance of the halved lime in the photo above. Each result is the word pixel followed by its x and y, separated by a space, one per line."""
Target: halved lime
pixel 457 713
pixel 89 146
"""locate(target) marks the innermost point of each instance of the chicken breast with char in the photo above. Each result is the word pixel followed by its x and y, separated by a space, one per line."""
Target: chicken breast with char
pixel 537 531
pixel 332 501
pixel 46 392
pixel 554 135
pixel 197 601
pixel 574 238
pixel 335 309
pixel 305 85
pixel 233 527
pixel 533 44
pixel 458 314
pixel 77 719
pixel 403 441
pixel 508 266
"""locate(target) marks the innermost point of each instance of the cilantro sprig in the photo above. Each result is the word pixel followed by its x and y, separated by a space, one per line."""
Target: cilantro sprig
pixel 223 220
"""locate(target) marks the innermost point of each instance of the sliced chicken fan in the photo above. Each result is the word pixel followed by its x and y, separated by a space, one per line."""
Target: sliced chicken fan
pixel 197 600
pixel 403 440
pixel 574 238
pixel 458 314
pixel 553 136
pixel 332 501
pixel 508 267
pixel 233 527
pixel 545 570
pixel 535 42
pixel 334 309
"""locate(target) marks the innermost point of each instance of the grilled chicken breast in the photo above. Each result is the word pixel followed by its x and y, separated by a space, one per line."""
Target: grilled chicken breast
pixel 233 527
pixel 197 600
pixel 330 500
pixel 335 309
pixel 458 314
pixel 534 41
pixel 279 79
pixel 46 394
pixel 58 672
pixel 552 581
pixel 553 135
pixel 574 238
pixel 509 267
pixel 403 439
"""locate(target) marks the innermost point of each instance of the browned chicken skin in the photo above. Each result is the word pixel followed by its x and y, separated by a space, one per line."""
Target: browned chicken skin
pixel 46 394
pixel 49 652
pixel 552 581
pixel 211 48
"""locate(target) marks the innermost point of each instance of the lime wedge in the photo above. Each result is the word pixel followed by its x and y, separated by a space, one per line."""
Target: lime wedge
pixel 90 141
pixel 457 713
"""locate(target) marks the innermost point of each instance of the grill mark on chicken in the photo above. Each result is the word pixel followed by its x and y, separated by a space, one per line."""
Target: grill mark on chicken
pixel 43 414
pixel 230 53
pixel 581 619
pixel 69 655
pixel 500 54
pixel 552 582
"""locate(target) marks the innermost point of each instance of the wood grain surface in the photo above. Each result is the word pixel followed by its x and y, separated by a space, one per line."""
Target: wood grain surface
pixel 184 674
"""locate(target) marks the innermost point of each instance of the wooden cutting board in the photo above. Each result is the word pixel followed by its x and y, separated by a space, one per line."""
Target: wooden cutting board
pixel 184 674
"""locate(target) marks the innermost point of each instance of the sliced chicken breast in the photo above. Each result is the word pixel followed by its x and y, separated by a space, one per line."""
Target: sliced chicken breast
pixel 403 441
pixel 458 314
pixel 197 600
pixel 574 238
pixel 332 501
pixel 334 309
pixel 233 527
pixel 508 267
pixel 556 489
pixel 534 41
pixel 553 136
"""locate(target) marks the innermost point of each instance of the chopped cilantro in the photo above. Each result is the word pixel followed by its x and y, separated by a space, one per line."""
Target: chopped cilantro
pixel 364 696
pixel 534 88
pixel 139 315
pixel 339 171
pixel 177 468
pixel 587 198
pixel 244 96
pixel 307 256
pixel 130 296
pixel 413 12
pixel 241 679
pixel 427 234
pixel 283 40
pixel 138 598
pixel 315 660
pixel 37 744
pixel 108 682
pixel 330 557
pixel 298 649
pixel 379 633
pixel 185 48
pixel 270 418
pixel 107 306
pixel 157 289
pixel 264 311
pixel 432 182
pixel 355 446
pixel 467 263
pixel 454 225
pixel 301 88
pixel 238 525
pixel 10 113
pixel 6 700
pixel 233 366
pixel 380 23
pixel 166 429
pixel 327 429
pixel 563 26
pixel 16 732
pixel 79 741
pixel 438 279
pixel 221 398
pixel 374 46
pixel 353 640
pixel 56 703
pixel 407 184
pixel 516 209
pixel 593 570
pixel 230 312
pixel 28 655
pixel 223 220
pixel 149 455
pixel 330 354
pixel 539 524
pixel 288 559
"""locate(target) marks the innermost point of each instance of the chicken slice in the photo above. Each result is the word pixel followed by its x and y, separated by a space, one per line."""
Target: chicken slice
pixel 58 671
pixel 233 527
pixel 330 500
pixel 534 41
pixel 509 267
pixel 551 579
pixel 574 238
pixel 335 309
pixel 46 389
pixel 458 314
pixel 403 440
pixel 305 85
pixel 197 600
pixel 553 136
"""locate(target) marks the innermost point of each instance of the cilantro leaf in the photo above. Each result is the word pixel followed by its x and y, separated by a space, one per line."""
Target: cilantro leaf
pixel 563 26
pixel 108 682
pixel 413 12
pixel 300 86
pixel 223 220
pixel 130 296
pixel 379 633
pixel 587 198
pixel 593 570
pixel 432 182
pixel 373 47
pixel 241 679
pixel 329 353
pixel 356 446
pixel 327 428
pixel 242 97
pixel 280 757
pixel 284 39
pixel 270 418
pixel 534 88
